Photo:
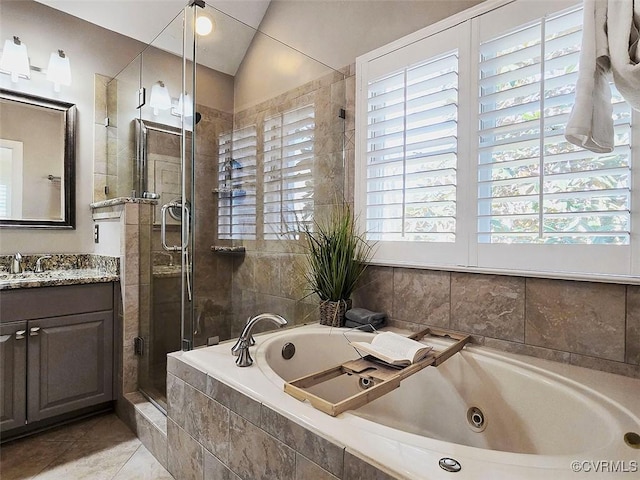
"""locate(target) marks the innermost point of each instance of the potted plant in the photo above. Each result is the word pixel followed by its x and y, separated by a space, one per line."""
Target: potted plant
pixel 337 256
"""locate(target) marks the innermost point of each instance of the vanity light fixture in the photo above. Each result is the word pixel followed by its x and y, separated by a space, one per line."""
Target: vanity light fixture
pixel 59 70
pixel 15 59
pixel 184 102
pixel 160 98
pixel 204 25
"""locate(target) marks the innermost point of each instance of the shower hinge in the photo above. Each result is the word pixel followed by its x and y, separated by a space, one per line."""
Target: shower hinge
pixel 342 114
pixel 186 345
pixel 138 346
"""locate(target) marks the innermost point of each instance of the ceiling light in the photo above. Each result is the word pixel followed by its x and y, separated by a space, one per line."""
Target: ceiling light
pixel 15 59
pixel 204 25
pixel 59 70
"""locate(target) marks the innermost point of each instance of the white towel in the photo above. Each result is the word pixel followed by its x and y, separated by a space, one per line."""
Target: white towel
pixel 623 23
pixel 590 124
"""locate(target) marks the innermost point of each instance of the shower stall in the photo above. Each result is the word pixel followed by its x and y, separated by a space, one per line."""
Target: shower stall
pixel 239 139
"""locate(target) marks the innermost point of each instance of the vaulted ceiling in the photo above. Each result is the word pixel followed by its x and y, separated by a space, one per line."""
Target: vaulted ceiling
pixel 155 21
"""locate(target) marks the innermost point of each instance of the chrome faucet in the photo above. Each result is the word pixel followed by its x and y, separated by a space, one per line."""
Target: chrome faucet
pixel 16 264
pixel 39 268
pixel 241 348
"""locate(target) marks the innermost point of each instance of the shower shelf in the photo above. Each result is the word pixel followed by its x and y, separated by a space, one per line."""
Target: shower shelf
pixel 228 250
pixel 384 378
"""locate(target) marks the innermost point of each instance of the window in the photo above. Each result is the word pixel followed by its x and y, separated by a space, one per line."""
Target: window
pixel 288 172
pixel 11 153
pixel 461 160
pixel 237 184
pixel 534 186
pixel 412 152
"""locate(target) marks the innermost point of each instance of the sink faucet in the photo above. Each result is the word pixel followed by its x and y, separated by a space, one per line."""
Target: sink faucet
pixel 16 264
pixel 241 348
pixel 39 268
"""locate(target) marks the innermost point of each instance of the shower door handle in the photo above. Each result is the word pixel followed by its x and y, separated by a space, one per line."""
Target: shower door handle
pixel 163 227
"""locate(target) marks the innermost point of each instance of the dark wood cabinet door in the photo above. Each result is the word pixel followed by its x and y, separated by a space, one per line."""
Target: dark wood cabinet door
pixel 13 374
pixel 70 363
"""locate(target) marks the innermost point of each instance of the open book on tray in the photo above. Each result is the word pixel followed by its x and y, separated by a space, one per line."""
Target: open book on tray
pixel 394 349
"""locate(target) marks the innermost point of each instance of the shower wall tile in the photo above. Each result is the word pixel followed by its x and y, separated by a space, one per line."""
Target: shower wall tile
pixel 577 317
pixel 326 454
pixel 100 150
pixel 421 296
pixel 633 325
pixel 292 276
pixel 489 305
pixel 267 274
pixel 257 455
pixel 185 456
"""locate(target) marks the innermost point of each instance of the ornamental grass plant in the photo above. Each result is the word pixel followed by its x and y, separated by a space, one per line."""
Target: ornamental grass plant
pixel 337 256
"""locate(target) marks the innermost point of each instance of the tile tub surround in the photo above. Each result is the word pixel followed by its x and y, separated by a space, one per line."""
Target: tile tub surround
pixel 235 422
pixel 217 432
pixel 594 325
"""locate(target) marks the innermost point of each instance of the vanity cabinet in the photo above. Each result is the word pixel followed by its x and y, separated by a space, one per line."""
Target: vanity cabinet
pixel 13 375
pixel 57 351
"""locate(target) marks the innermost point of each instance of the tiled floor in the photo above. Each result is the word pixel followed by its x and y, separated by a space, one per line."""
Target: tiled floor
pixel 99 448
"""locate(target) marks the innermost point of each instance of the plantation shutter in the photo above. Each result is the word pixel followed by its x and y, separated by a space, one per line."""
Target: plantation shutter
pixel 533 186
pixel 288 172
pixel 237 184
pixel 412 152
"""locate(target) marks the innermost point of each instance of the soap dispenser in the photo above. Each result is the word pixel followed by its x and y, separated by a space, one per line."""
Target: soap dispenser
pixel 16 263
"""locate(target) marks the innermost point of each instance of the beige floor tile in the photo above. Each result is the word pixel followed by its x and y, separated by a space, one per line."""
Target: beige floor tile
pixel 100 448
pixel 92 460
pixel 142 466
pixel 24 459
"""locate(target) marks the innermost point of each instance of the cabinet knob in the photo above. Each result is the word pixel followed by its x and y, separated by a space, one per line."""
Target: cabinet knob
pixel 34 331
pixel 20 334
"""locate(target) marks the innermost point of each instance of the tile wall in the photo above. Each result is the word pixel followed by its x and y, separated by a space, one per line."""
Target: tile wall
pixel 216 432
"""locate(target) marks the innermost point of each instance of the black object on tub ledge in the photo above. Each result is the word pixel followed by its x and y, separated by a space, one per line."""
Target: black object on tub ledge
pixel 357 317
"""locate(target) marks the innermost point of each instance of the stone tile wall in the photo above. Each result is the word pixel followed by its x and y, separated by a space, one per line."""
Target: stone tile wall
pixel 594 325
pixel 216 432
pixel 270 276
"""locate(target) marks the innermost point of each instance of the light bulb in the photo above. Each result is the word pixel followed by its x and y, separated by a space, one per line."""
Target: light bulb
pixel 15 59
pixel 160 98
pixel 204 25
pixel 59 70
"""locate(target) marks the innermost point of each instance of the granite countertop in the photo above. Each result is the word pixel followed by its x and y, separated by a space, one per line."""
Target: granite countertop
pixel 52 278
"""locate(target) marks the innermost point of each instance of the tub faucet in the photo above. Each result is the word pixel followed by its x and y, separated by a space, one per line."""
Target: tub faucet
pixel 241 348
pixel 16 264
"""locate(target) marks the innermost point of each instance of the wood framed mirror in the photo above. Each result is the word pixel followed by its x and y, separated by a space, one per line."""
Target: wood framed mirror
pixel 37 161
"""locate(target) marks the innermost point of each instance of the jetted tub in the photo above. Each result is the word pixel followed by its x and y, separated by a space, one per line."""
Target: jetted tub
pixel 498 415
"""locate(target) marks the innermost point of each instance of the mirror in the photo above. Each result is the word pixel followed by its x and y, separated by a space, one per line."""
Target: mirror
pixel 37 161
pixel 158 165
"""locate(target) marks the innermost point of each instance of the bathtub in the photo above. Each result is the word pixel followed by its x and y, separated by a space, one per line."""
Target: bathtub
pixel 498 415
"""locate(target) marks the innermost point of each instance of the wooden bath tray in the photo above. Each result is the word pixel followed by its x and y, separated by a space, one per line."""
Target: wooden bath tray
pixel 384 377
